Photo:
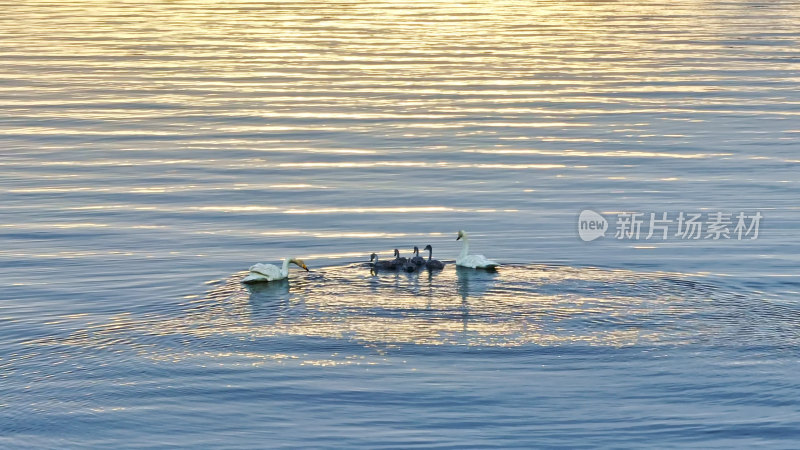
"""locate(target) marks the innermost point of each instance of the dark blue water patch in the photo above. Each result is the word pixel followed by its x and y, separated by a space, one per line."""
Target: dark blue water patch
pixel 521 397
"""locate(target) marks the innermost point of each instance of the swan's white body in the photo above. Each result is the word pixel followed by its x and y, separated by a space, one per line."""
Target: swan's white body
pixel 271 272
pixel 472 261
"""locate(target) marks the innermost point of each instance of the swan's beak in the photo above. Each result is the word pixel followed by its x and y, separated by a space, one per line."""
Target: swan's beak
pixel 304 267
pixel 459 237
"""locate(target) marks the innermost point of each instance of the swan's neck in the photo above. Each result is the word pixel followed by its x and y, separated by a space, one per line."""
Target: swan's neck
pixel 464 248
pixel 285 269
pixel 430 254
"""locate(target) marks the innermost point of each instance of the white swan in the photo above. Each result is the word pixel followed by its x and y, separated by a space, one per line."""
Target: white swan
pixel 472 261
pixel 271 272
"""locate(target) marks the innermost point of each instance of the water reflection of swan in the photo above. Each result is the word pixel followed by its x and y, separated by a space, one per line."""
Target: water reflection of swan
pixel 474 283
pixel 271 272
pixel 431 292
pixel 472 261
pixel 267 303
pixel 277 289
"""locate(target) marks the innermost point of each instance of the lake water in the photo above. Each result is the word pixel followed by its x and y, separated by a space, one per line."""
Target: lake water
pixel 151 152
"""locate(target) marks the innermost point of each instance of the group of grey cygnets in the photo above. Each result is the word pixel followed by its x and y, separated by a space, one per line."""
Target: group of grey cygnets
pixel 413 264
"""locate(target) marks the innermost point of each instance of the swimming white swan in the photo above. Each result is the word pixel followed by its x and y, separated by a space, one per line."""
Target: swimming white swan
pixel 271 272
pixel 473 261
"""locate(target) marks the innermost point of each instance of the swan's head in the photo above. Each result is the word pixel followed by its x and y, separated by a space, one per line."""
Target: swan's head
pixel 416 250
pixel 428 247
pixel 461 234
pixel 397 253
pixel 299 263
pixel 373 257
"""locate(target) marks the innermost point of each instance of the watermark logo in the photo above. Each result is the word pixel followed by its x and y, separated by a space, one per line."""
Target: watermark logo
pixel 681 225
pixel 591 225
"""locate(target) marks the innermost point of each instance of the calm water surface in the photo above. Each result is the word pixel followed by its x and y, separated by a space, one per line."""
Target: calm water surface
pixel 151 153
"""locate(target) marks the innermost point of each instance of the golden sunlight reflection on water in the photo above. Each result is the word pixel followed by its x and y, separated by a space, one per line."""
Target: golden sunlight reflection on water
pixel 518 305
pixel 150 150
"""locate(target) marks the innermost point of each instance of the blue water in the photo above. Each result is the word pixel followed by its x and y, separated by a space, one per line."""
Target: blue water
pixel 152 152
